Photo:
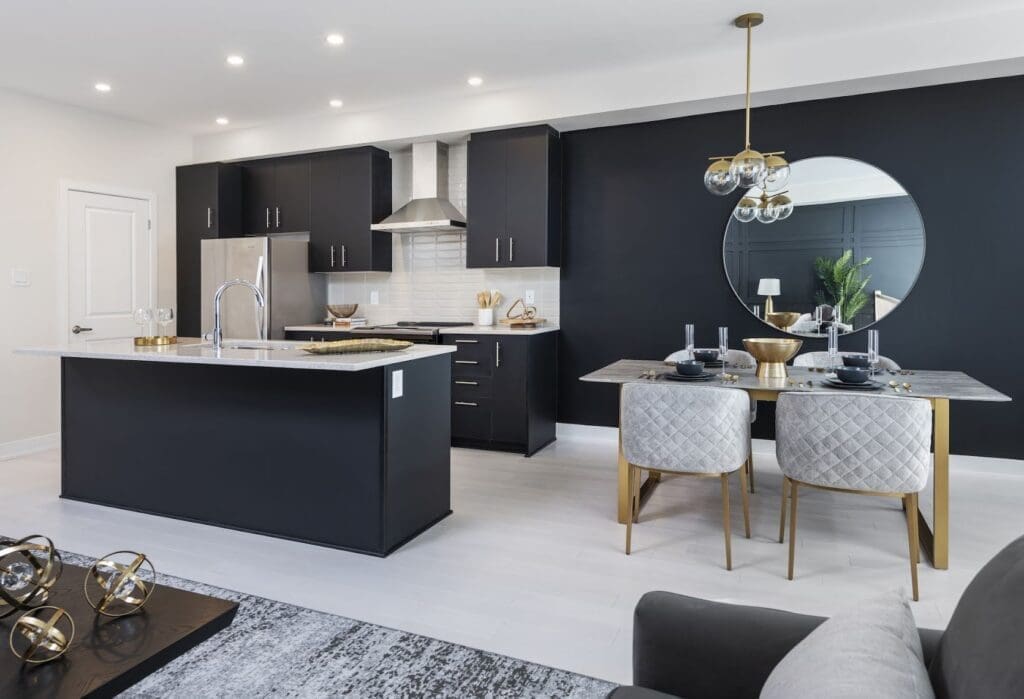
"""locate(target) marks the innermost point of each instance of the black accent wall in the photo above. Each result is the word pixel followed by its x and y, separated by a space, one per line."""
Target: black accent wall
pixel 643 240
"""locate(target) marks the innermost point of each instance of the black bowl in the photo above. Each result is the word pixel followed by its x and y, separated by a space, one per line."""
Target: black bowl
pixel 705 355
pixel 689 367
pixel 852 375
pixel 859 361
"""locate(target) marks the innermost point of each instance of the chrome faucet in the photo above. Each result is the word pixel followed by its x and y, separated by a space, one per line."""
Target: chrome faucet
pixel 261 302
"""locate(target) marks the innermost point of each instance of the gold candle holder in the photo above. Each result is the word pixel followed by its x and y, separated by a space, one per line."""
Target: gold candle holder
pixel 119 583
pixel 29 567
pixel 42 634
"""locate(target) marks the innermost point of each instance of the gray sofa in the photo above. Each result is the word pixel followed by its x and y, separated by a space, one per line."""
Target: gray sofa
pixel 692 648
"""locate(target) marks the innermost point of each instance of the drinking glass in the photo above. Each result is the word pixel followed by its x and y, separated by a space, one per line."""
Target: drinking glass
pixel 723 345
pixel 144 319
pixel 164 316
pixel 833 347
pixel 817 318
pixel 688 338
pixel 757 311
pixel 872 349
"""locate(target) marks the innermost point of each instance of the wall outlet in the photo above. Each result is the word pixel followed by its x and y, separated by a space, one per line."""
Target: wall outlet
pixel 529 298
pixel 20 277
pixel 397 389
pixel 374 297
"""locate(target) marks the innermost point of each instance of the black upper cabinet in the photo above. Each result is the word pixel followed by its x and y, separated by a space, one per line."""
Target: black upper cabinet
pixel 349 190
pixel 276 193
pixel 514 193
pixel 209 205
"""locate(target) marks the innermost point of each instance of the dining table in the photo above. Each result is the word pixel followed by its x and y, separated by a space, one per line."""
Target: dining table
pixel 937 387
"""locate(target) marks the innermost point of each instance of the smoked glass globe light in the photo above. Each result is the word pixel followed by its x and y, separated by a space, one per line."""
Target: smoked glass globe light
pixel 747 168
pixel 745 210
pixel 718 179
pixel 776 173
pixel 782 206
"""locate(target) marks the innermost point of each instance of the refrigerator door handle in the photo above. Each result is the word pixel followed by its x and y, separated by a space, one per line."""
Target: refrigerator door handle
pixel 261 313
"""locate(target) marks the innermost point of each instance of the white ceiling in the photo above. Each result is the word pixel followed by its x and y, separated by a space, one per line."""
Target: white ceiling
pixel 166 60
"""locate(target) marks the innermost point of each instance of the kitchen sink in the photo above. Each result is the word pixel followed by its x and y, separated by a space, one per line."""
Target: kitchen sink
pixel 255 345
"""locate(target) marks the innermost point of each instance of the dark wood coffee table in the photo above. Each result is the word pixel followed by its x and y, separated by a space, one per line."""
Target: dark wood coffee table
pixel 109 655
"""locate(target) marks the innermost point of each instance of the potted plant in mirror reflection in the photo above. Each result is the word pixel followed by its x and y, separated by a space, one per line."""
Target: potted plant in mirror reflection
pixel 843 284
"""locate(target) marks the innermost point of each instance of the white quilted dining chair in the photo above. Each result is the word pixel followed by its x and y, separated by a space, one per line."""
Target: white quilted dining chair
pixel 868 445
pixel 686 430
pixel 735 358
pixel 820 360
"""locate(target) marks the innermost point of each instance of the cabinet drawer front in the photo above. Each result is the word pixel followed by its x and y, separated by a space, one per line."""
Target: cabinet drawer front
pixel 471 419
pixel 470 388
pixel 480 349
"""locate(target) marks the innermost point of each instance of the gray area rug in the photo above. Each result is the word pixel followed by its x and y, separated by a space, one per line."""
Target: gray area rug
pixel 280 650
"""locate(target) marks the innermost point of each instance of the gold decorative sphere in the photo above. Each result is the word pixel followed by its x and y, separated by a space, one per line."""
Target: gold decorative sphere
pixel 42 634
pixel 120 583
pixel 29 567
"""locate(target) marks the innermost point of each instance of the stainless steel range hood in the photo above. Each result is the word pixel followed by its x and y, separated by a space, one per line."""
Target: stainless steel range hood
pixel 429 209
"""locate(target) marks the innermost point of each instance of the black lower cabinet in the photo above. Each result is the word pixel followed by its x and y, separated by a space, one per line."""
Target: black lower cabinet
pixel 328 334
pixel 504 391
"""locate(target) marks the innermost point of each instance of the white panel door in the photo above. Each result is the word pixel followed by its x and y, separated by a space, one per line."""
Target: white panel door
pixel 110 265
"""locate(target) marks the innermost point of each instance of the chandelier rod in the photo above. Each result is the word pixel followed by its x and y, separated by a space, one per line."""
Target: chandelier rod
pixel 747 132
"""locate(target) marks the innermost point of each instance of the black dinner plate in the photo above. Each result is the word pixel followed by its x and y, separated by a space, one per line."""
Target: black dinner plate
pixel 868 385
pixel 679 377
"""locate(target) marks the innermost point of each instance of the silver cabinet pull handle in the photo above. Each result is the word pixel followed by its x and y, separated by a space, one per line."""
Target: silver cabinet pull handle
pixel 466 361
pixel 277 216
pixel 79 329
pixel 344 257
pixel 497 354
pixel 467 383
pixel 497 250
pixel 466 342
pixel 332 256
pixel 466 403
pixel 209 218
pixel 268 218
pixel 511 250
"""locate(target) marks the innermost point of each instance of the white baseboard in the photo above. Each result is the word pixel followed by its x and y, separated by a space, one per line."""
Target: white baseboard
pixel 31 445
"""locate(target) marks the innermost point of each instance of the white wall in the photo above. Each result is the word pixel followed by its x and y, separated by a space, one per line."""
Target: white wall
pixel 429 279
pixel 41 143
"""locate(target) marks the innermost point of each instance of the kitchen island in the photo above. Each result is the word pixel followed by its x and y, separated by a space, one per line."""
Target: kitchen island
pixel 349 451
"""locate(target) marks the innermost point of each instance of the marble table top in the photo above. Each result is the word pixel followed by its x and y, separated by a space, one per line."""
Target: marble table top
pixel 952 385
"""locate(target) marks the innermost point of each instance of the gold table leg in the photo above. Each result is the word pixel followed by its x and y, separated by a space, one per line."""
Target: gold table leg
pixel 935 538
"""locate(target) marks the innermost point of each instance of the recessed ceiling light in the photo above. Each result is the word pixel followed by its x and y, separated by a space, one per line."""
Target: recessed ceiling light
pixel 336 103
pixel 235 60
pixel 223 121
pixel 335 39
pixel 102 87
pixel 475 81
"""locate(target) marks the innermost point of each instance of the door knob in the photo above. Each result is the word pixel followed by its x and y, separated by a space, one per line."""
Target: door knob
pixel 79 329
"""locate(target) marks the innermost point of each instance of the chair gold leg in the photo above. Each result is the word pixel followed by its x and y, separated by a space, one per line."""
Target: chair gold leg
pixel 632 506
pixel 910 502
pixel 782 515
pixel 746 501
pixel 792 524
pixel 750 463
pixel 636 483
pixel 725 521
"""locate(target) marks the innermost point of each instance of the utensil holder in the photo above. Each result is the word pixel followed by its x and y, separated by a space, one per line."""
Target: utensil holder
pixel 485 316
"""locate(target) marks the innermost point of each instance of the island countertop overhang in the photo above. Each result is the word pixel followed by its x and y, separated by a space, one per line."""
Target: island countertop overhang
pixel 286 355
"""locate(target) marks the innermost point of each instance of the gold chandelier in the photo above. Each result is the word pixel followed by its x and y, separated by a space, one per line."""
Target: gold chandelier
pixel 749 168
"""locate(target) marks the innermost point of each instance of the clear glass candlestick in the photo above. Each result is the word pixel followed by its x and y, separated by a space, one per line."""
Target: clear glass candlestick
pixel 688 338
pixel 723 345
pixel 873 349
pixel 833 347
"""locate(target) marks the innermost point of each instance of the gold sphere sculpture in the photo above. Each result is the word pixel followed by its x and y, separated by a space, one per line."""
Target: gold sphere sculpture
pixel 42 634
pixel 120 583
pixel 29 567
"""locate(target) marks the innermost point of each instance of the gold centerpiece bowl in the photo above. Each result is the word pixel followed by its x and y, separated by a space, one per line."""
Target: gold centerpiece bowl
pixel 782 319
pixel 771 354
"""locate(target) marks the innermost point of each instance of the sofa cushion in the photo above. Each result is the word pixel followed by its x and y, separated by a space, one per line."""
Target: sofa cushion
pixel 871 650
pixel 980 653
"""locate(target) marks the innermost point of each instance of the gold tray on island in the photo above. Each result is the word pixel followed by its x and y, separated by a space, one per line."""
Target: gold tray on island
pixel 368 344
pixel 155 340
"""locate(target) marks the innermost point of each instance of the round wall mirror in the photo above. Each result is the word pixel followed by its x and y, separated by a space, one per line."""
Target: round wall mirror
pixel 848 253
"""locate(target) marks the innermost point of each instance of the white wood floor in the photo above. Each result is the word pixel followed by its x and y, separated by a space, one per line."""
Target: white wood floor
pixel 531 563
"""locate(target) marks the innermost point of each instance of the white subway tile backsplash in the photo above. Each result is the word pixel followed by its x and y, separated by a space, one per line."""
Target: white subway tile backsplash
pixel 429 279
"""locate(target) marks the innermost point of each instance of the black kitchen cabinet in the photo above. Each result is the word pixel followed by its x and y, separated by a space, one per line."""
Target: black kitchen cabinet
pixel 514 198
pixel 276 195
pixel 327 334
pixel 208 205
pixel 349 190
pixel 504 391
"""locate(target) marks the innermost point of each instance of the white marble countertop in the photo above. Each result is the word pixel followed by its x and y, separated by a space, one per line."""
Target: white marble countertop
pixel 285 354
pixel 496 329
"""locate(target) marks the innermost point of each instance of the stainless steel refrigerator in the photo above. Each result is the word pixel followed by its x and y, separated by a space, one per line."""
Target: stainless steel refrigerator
pixel 279 266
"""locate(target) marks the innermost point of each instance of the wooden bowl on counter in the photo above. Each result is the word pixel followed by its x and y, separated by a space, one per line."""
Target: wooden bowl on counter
pixel 771 354
pixel 782 319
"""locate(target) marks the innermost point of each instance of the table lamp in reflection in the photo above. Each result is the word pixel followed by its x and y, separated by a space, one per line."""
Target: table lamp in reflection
pixel 768 288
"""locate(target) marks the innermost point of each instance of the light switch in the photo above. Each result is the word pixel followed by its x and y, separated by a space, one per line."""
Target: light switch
pixel 20 277
pixel 374 297
pixel 396 383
